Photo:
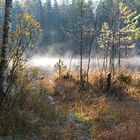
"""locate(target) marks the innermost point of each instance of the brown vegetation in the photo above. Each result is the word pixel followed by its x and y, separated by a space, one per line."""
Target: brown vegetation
pixel 53 109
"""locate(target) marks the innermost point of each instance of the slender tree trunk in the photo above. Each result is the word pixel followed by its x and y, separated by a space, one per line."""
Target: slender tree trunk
pixel 112 53
pixel 112 57
pixel 4 50
pixel 81 45
pixel 59 68
pixel 106 59
pixel 97 58
pixel 71 63
pixel 119 60
pixel 126 51
pixel 119 51
pixel 41 14
pixel 89 56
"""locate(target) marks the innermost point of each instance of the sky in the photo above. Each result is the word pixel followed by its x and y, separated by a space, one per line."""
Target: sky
pixel 71 0
pixel 85 0
pixel 59 1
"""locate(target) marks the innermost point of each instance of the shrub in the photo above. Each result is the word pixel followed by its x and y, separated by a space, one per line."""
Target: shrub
pixel 124 79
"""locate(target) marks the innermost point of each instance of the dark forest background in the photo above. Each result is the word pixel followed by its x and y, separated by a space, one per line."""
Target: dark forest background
pixel 60 20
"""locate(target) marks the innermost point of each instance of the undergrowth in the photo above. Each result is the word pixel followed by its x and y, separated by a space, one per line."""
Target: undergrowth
pixel 74 114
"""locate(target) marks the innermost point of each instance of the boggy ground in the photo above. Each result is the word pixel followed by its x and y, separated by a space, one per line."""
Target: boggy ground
pixel 92 114
pixel 56 109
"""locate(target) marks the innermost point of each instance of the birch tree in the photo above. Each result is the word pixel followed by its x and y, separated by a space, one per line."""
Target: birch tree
pixel 4 48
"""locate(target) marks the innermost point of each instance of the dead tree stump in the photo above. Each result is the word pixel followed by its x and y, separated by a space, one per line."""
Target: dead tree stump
pixel 109 83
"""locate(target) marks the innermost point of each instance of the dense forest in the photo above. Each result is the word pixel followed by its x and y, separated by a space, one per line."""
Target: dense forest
pixel 60 21
pixel 69 70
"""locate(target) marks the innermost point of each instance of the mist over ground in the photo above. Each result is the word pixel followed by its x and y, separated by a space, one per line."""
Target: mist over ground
pixel 47 62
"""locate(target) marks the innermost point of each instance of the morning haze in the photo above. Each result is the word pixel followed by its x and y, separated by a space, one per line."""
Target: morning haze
pixel 70 70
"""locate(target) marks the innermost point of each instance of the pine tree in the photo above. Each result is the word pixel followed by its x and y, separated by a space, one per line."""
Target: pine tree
pixel 105 41
pixel 128 30
pixel 48 21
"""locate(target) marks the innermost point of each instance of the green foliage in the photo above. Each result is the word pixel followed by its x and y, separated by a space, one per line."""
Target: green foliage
pixel 129 22
pixel 23 40
pixel 82 4
pixel 127 31
pixel 28 28
pixel 124 79
pixel 120 35
pixel 60 68
pixel 105 37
